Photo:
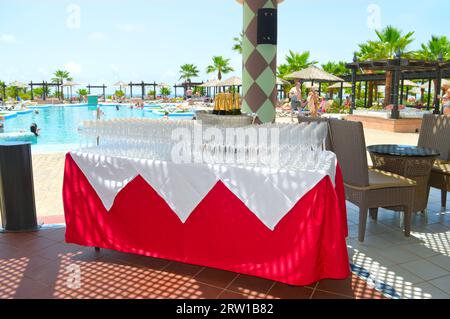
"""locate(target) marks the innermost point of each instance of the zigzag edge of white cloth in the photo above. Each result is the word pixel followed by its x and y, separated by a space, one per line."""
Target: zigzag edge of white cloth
pixel 268 193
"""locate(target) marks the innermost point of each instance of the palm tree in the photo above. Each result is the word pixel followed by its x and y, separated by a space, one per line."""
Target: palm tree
pixel 371 50
pixel 435 48
pixel 82 92
pixel 59 77
pixel 393 40
pixel 295 62
pixel 2 85
pixel 188 71
pixel 40 91
pixel 390 41
pixel 238 42
pixel 220 65
pixel 337 68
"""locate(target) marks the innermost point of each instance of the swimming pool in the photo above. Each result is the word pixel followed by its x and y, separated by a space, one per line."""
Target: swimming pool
pixel 59 124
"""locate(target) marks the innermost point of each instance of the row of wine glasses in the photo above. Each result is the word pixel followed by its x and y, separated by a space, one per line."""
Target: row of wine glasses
pixel 268 145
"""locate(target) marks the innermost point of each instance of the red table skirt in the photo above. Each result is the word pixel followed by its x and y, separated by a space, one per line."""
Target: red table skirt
pixel 307 245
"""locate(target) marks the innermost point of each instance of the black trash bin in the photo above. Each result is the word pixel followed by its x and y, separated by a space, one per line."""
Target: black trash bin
pixel 17 204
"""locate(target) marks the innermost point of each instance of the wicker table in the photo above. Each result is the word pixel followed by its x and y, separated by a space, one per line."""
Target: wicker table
pixel 408 161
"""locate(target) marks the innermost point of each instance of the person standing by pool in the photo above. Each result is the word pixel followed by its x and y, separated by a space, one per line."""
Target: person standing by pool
pixel 295 94
pixel 446 102
pixel 189 93
pixel 313 102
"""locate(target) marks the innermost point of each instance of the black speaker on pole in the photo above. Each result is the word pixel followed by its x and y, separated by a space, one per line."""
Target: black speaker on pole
pixel 267 26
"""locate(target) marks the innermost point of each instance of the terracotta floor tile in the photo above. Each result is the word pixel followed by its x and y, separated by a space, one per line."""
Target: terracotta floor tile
pixel 318 294
pixel 183 269
pixel 215 277
pixel 16 239
pixel 233 295
pixel 282 291
pixel 31 289
pixel 35 244
pixel 58 250
pixel 252 286
pixel 7 251
pixel 197 290
pixel 138 260
pixel 343 287
pixel 49 274
pixel 57 234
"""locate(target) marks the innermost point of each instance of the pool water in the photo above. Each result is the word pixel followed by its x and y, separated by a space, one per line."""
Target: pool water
pixel 59 124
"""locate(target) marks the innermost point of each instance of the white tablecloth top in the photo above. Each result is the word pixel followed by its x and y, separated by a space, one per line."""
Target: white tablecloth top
pixel 269 193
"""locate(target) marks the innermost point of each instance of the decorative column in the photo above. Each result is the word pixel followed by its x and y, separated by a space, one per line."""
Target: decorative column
pixel 259 88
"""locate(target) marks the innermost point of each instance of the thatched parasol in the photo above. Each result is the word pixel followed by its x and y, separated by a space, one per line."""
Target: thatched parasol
pixel 313 73
pixel 445 84
pixel 414 91
pixel 70 84
pixel 410 83
pixel 121 84
pixel 282 82
pixel 337 86
pixel 18 85
pixel 234 81
pixel 210 83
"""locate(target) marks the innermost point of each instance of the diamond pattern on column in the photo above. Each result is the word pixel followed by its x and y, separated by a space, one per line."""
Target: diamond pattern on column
pixel 255 64
pixel 247 80
pixel 247 47
pixel 255 97
pixel 269 5
pixel 266 112
pixel 245 108
pixel 249 14
pixel 273 64
pixel 267 81
pixel 252 31
pixel 256 4
pixel 267 51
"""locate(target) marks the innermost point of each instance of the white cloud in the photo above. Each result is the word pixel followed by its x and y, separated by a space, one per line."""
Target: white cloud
pixel 129 27
pixel 97 36
pixel 7 38
pixel 73 67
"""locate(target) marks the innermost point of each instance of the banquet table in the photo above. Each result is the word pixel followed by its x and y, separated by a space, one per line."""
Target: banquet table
pixel 285 225
pixel 409 161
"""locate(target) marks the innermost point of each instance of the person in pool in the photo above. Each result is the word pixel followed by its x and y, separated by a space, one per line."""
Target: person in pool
pixel 34 129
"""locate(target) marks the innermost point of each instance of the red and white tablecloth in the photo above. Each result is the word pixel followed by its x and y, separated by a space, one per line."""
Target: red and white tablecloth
pixel 284 225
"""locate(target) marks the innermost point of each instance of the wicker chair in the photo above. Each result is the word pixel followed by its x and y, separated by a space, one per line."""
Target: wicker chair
pixel 435 133
pixel 367 188
pixel 308 119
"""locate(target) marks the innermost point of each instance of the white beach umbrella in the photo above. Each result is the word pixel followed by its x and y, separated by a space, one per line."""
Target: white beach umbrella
pixel 234 81
pixel 18 84
pixel 313 73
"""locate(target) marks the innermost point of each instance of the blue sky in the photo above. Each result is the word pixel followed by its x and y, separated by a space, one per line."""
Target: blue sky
pixel 112 40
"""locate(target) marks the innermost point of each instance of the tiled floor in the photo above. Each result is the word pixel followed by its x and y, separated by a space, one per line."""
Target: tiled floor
pixel 41 265
pixel 416 267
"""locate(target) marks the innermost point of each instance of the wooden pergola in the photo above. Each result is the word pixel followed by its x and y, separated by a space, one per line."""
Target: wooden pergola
pixel 185 85
pixel 45 85
pixel 103 87
pixel 400 70
pixel 4 90
pixel 142 85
